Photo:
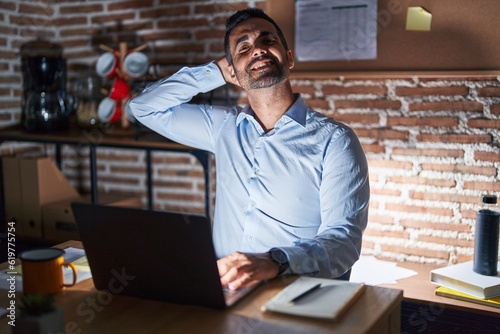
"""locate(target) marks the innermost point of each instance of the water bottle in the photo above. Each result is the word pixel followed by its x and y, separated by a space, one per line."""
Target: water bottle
pixel 486 238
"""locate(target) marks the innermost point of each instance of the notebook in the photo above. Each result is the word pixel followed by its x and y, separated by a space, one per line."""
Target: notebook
pixel 150 254
pixel 315 297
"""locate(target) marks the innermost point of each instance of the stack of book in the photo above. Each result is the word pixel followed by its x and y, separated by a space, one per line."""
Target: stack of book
pixel 460 282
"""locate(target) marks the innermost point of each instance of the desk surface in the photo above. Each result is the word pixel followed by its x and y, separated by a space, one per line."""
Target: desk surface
pixel 420 289
pixel 89 311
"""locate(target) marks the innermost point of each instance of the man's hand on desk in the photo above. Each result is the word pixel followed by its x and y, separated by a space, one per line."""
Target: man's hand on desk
pixel 240 269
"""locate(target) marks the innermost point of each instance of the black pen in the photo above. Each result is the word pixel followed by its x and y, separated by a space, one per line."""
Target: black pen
pixel 305 293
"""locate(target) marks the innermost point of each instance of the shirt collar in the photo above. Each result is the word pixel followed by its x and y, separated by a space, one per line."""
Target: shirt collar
pixel 297 112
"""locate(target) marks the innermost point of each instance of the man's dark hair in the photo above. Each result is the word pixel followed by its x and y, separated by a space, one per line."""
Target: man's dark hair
pixel 243 15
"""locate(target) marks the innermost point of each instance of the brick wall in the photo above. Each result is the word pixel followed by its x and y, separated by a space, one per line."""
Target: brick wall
pixel 433 148
pixel 432 141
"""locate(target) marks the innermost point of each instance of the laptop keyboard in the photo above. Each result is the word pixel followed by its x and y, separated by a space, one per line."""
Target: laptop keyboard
pixel 232 295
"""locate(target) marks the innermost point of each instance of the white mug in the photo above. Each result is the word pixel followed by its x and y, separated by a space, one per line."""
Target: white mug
pixel 128 112
pixel 106 65
pixel 109 110
pixel 136 64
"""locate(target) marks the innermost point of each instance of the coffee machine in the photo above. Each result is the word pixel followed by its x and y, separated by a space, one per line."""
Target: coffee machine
pixel 44 100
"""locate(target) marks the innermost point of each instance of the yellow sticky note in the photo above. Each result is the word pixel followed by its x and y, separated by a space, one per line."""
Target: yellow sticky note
pixel 418 19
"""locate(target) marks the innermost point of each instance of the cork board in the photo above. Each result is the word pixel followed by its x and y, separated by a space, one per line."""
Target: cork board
pixel 464 36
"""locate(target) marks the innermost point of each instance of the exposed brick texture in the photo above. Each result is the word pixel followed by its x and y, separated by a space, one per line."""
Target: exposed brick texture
pixel 432 142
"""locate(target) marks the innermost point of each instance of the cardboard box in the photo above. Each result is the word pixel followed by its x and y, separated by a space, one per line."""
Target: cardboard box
pixel 59 222
pixel 39 181
pixel 12 189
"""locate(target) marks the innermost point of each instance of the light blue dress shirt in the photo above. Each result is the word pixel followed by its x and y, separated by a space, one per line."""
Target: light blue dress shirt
pixel 301 187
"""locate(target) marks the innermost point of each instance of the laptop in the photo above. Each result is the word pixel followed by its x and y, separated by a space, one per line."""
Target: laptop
pixel 148 254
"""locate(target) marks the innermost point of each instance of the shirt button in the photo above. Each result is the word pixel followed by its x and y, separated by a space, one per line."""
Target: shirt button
pixel 254 205
pixel 257 172
pixel 249 238
pixel 208 72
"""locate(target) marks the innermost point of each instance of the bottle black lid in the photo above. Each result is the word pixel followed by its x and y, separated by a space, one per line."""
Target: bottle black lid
pixel 489 199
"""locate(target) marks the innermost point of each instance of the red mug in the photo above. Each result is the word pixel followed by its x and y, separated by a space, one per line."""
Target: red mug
pixel 119 90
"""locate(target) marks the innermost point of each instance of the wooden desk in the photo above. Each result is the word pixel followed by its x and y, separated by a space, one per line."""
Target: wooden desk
pixel 89 311
pixel 132 138
pixel 424 312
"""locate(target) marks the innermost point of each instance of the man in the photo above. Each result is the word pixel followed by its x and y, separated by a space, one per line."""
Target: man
pixel 292 184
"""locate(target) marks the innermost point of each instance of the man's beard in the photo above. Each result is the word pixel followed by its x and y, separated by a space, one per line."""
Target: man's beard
pixel 270 77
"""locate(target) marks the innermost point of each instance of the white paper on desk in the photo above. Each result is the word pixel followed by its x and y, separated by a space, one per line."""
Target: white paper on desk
pixel 370 270
pixel 335 29
pixel 71 255
pixel 76 256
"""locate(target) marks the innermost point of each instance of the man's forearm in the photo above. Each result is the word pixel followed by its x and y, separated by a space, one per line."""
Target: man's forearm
pixel 152 106
pixel 177 89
